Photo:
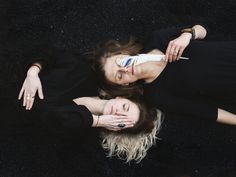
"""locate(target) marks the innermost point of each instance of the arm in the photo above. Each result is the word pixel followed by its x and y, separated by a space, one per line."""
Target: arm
pixel 189 108
pixel 177 46
pixel 171 40
pixel 196 109
pixel 38 59
pixel 96 107
pixel 63 118
pixel 226 117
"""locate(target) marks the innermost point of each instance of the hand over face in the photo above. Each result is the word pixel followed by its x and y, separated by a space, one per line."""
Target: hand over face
pixel 115 122
pixel 121 113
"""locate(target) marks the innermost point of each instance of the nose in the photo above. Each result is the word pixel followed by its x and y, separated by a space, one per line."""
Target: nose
pixel 114 110
pixel 129 69
pixel 126 69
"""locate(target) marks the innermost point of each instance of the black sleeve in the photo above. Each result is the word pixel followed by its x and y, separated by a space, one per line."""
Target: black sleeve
pixel 160 39
pixel 188 108
pixel 65 118
pixel 42 53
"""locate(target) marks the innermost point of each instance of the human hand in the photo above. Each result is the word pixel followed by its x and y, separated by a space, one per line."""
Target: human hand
pixel 31 85
pixel 115 122
pixel 176 47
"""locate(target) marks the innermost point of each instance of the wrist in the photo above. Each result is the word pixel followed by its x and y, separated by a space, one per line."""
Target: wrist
pixel 187 35
pixel 189 31
pixel 33 71
pixel 96 121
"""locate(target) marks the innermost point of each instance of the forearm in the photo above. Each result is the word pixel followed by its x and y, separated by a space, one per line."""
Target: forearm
pixel 94 104
pixel 226 117
pixel 200 32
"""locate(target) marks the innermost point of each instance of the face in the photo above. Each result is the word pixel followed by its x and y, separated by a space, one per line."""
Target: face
pixel 118 74
pixel 122 106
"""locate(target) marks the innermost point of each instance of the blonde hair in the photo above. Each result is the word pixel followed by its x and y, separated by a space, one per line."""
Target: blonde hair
pixel 130 147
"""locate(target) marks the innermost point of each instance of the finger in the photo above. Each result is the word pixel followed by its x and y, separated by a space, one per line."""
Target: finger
pixel 180 53
pixel 120 113
pixel 112 129
pixel 21 93
pixel 28 100
pixel 120 117
pixel 175 53
pixel 116 122
pixel 129 126
pixel 31 102
pixel 171 54
pixel 168 51
pixel 40 93
pixel 24 101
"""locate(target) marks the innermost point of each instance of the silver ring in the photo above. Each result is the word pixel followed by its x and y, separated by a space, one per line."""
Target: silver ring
pixel 175 52
pixel 121 125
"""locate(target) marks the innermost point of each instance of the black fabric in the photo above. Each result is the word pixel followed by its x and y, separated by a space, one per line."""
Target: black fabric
pixel 197 87
pixel 69 77
pixel 187 148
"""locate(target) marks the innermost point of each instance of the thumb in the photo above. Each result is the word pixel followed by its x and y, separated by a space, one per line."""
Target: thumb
pixel 40 92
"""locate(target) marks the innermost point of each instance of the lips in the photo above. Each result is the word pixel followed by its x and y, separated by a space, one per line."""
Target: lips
pixel 132 68
pixel 111 111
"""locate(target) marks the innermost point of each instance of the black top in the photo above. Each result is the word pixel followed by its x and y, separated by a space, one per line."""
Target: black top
pixel 198 86
pixel 66 75
pixel 71 77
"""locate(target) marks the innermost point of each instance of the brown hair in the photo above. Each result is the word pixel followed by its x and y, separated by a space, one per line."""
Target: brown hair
pixel 147 116
pixel 106 50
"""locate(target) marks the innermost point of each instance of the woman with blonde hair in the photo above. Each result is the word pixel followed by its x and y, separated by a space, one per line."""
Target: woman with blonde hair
pixel 130 126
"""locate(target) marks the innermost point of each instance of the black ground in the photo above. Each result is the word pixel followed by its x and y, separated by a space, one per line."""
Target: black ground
pixel 190 149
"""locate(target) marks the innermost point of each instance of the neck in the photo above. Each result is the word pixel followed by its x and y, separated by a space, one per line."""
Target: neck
pixel 149 71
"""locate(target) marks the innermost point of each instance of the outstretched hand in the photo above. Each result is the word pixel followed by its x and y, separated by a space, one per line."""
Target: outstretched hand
pixel 31 85
pixel 177 46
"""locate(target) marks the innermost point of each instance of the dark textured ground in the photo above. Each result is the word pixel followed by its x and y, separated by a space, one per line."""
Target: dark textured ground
pixel 188 149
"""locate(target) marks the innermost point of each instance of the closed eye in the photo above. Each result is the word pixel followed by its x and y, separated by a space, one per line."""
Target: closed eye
pixel 119 75
pixel 126 107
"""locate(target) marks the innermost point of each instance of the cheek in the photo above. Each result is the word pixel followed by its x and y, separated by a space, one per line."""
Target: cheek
pixel 129 79
pixel 135 117
pixel 106 109
pixel 108 76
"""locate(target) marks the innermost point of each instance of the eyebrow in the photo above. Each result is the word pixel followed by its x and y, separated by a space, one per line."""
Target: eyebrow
pixel 128 106
pixel 115 75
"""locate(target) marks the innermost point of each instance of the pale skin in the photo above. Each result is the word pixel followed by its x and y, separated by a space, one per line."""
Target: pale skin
pixel 149 71
pixel 32 83
pixel 112 112
pixel 31 86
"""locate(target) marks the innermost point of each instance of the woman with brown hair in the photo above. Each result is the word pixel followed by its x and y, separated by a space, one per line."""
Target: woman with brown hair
pixel 70 105
pixel 200 84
